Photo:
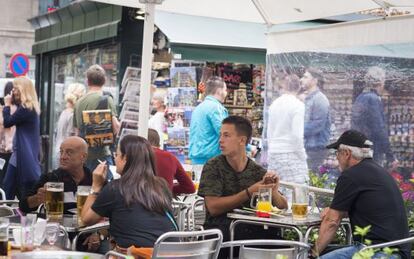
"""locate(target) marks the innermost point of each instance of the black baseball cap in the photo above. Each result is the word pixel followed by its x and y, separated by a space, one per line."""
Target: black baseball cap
pixel 352 138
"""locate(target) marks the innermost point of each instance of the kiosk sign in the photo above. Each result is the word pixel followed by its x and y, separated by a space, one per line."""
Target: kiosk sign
pixel 19 64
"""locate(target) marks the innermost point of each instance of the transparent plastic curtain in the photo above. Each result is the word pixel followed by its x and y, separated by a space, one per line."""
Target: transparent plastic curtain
pixel 347 75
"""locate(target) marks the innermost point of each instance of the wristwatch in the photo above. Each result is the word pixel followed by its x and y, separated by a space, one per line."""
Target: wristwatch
pixel 94 193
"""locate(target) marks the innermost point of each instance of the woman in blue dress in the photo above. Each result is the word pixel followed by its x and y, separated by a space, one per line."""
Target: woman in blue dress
pixel 24 166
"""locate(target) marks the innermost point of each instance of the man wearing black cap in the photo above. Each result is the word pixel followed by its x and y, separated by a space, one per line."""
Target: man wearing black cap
pixel 365 193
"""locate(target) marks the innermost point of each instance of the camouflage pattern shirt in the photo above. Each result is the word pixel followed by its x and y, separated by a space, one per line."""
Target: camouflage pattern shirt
pixel 220 179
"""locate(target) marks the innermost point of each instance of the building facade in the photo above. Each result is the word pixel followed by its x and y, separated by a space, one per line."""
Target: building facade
pixel 16 33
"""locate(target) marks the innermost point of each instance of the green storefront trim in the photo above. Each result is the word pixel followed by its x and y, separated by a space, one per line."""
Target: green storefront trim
pixel 75 27
pixel 219 54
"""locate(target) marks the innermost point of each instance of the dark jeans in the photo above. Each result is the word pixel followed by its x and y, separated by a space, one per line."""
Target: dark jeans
pixel 13 186
pixel 6 157
pixel 93 163
pixel 245 232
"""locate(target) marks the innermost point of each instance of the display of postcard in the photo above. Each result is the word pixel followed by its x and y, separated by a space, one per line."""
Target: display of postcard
pixel 179 117
pixel 133 87
pixel 182 97
pixel 131 98
pixel 183 77
pixel 129 115
pixel 131 106
pixel 178 152
pixel 240 98
pixel 134 73
pixel 129 124
pixel 126 131
pixel 97 127
pixel 178 137
pixel 130 73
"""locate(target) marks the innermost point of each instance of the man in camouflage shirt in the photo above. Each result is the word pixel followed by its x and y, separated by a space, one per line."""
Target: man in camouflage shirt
pixel 229 180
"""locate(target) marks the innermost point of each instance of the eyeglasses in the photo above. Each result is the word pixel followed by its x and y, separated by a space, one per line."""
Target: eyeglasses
pixel 67 152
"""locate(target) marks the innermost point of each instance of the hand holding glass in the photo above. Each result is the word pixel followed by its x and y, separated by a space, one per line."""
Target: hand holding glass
pixel 264 200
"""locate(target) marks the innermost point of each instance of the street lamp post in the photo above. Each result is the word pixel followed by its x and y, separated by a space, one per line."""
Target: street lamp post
pixel 146 65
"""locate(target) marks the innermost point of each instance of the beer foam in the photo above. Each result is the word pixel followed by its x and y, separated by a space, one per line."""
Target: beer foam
pixel 54 190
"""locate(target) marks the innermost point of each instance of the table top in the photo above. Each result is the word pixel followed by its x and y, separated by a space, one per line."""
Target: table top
pixel 69 222
pixel 284 219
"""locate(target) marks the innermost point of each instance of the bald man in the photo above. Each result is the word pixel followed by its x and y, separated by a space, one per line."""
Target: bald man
pixel 72 172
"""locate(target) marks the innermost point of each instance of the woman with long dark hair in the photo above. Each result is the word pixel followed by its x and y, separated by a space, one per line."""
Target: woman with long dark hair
pixel 138 204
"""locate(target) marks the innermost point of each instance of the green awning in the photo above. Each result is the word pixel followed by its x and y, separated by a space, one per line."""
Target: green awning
pixel 78 23
pixel 219 54
pixel 95 33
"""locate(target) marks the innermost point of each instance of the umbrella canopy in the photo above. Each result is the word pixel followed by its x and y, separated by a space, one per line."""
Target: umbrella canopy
pixel 266 11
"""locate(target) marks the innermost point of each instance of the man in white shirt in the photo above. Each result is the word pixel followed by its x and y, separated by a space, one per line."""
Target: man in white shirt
pixel 286 153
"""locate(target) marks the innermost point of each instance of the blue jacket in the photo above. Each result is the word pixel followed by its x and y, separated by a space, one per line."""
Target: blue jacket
pixel 26 142
pixel 317 121
pixel 205 130
pixel 368 118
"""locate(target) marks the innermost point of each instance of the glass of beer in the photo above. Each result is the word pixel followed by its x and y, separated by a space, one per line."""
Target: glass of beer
pixel 81 196
pixel 4 237
pixel 54 201
pixel 300 201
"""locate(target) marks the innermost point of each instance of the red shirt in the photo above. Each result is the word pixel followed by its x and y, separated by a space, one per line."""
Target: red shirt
pixel 169 168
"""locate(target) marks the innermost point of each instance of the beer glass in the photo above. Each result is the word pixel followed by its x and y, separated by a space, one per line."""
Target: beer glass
pixel 54 200
pixel 81 196
pixel 300 201
pixel 4 237
pixel 264 200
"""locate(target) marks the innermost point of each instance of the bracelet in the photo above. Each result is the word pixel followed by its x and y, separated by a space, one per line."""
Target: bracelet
pixel 248 193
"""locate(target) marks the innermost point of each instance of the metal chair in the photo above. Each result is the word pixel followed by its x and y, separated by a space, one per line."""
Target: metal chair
pixel 180 211
pixel 202 245
pixel 2 194
pixel 6 211
pixel 389 244
pixel 88 230
pixel 295 249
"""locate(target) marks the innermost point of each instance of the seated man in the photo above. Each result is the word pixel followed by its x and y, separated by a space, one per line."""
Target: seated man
pixel 73 154
pixel 368 195
pixel 169 168
pixel 229 180
pixel 72 172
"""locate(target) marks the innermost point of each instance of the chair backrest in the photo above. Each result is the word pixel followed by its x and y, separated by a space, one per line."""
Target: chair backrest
pixel 390 244
pixel 180 210
pixel 6 211
pixel 2 194
pixel 190 244
pixel 249 249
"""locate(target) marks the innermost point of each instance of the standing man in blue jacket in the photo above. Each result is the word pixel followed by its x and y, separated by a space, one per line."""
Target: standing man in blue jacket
pixel 206 124
pixel 368 115
pixel 317 119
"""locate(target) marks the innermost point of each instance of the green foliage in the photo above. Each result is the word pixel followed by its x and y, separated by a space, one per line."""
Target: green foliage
pixel 369 253
pixel 362 231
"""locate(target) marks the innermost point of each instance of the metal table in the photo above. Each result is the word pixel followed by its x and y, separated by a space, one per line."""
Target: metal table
pixel 69 225
pixel 283 221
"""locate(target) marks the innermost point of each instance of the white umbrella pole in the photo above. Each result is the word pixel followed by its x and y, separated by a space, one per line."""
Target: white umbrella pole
pixel 146 66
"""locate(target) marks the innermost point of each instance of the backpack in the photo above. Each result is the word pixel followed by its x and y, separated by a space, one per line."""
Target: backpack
pixel 97 129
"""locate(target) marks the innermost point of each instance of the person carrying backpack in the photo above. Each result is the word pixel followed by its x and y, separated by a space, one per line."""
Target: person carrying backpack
pixel 98 132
